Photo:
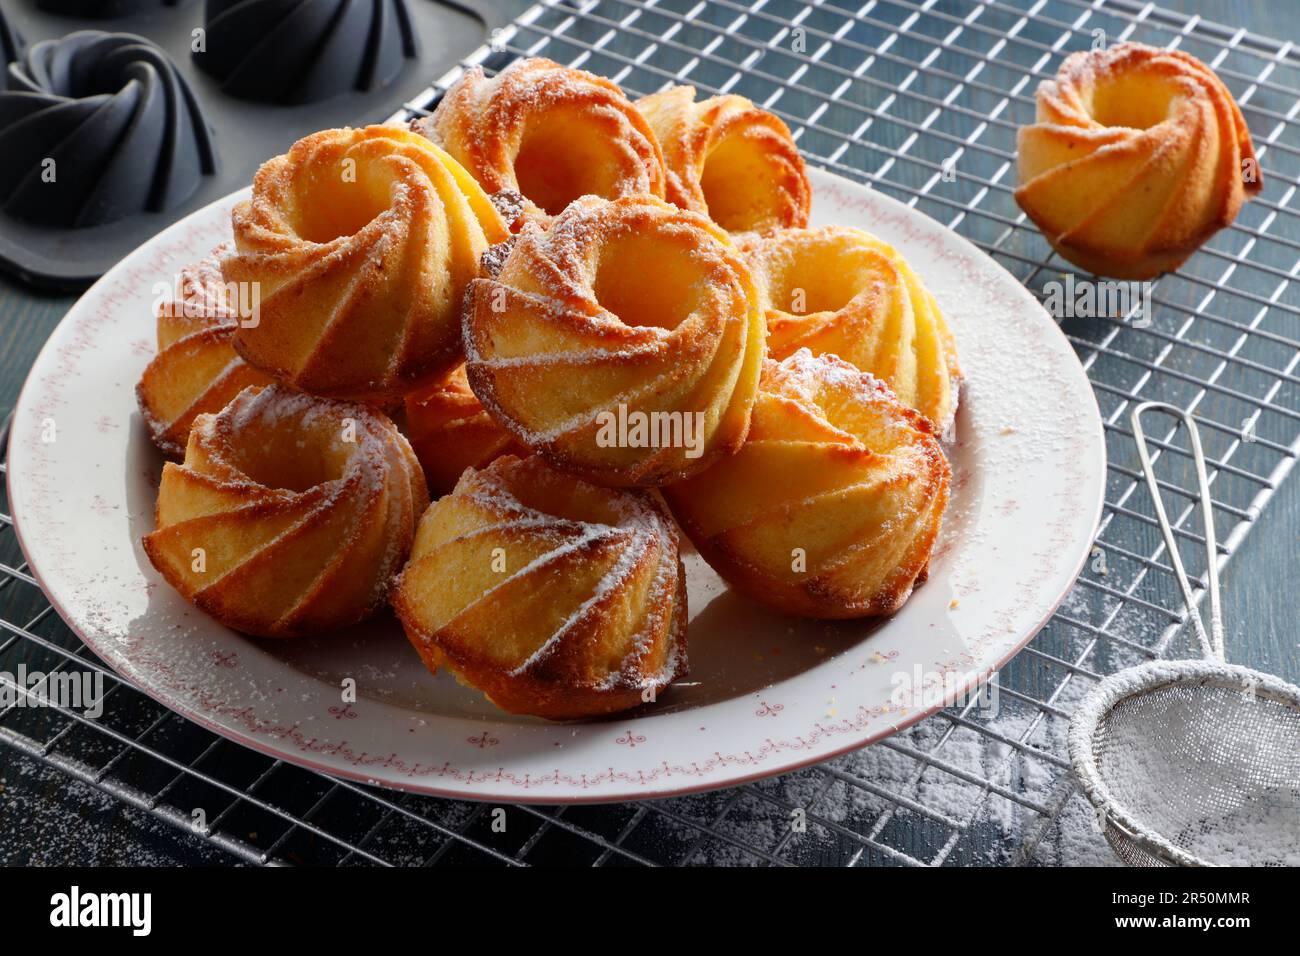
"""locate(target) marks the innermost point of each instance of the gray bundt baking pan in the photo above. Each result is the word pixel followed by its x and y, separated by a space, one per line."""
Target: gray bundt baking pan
pixel 119 117
pixel 102 9
pixel 96 127
pixel 304 52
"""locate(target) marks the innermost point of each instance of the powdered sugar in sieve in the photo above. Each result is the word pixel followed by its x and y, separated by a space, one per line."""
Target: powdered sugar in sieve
pixel 1192 763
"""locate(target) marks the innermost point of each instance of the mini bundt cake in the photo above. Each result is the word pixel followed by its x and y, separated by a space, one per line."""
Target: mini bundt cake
pixel 1137 156
pixel 95 127
pixel 625 343
pixel 549 133
pixel 197 369
pixel 554 597
pixel 290 514
pixel 831 508
pixel 450 431
pixel 201 299
pixel 302 51
pixel 842 291
pixel 361 242
pixel 729 160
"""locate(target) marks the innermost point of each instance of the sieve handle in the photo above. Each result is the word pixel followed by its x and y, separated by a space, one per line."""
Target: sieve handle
pixel 1212 643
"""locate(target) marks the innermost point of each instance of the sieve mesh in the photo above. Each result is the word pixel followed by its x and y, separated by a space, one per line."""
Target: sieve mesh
pixel 1196 762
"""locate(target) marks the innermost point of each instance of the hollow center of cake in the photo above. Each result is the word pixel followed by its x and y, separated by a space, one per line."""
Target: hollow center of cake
pixel 562 157
pixel 1136 102
pixel 647 280
pixel 293 458
pixel 353 204
pixel 816 280
pixel 738 187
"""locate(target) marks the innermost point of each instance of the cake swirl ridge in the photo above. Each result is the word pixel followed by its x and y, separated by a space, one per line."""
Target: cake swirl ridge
pixel 729 160
pixel 361 243
pixel 289 515
pixel 832 506
pixel 842 291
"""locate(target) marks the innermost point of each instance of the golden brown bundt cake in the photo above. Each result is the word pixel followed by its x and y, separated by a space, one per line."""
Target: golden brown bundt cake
pixel 290 514
pixel 1137 156
pixel 547 132
pixel 554 597
pixel 729 160
pixel 832 506
pixel 450 431
pixel 200 300
pixel 360 243
pixel 842 291
pixel 196 369
pixel 624 343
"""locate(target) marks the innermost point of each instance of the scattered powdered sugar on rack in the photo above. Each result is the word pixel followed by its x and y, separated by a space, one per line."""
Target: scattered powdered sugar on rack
pixel 883 783
pixel 47 818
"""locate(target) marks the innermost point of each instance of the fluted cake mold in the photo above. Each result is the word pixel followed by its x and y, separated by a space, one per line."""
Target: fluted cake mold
pixel 303 51
pixel 49 251
pixel 11 41
pixel 96 127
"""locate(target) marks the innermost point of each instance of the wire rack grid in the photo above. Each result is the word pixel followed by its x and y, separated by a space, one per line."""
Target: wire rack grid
pixel 921 100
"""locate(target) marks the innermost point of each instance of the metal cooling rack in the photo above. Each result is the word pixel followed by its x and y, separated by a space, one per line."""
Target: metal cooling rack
pixel 922 101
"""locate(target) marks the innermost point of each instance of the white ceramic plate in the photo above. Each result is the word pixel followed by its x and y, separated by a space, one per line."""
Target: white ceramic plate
pixel 766 694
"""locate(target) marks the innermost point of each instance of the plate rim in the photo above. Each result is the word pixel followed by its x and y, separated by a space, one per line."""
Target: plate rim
pixel 617 792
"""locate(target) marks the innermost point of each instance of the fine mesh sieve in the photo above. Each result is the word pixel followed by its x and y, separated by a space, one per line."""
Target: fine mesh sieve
pixel 1192 763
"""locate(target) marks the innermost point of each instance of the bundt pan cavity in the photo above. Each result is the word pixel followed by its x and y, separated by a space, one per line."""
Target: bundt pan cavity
pixel 98 126
pixel 301 51
pixel 103 9
pixel 248 132
pixel 11 41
